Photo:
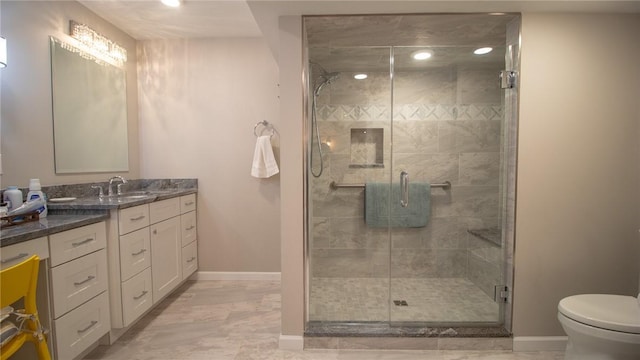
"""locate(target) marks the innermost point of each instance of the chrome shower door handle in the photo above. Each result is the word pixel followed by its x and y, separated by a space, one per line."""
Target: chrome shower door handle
pixel 404 189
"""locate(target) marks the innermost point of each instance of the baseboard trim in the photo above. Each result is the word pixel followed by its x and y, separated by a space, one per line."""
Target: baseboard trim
pixel 539 343
pixel 240 275
pixel 291 342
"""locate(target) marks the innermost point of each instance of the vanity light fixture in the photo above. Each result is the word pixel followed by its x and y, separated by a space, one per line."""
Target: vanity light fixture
pixel 360 76
pixel 482 50
pixel 3 52
pixel 172 3
pixel 98 45
pixel 422 54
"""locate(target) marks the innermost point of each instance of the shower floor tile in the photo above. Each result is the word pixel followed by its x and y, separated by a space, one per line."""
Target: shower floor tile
pixel 438 300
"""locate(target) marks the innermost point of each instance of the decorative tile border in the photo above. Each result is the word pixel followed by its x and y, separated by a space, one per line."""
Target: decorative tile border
pixel 411 112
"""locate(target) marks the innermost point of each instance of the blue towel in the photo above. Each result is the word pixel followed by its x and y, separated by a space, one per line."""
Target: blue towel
pixel 376 203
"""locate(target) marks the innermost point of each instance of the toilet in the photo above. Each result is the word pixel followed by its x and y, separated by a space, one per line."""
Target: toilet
pixel 602 327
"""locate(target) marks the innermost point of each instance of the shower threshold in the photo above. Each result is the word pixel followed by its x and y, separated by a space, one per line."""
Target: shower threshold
pixel 406 336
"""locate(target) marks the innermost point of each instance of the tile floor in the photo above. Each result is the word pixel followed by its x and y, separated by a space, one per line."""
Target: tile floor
pixel 240 320
pixel 367 299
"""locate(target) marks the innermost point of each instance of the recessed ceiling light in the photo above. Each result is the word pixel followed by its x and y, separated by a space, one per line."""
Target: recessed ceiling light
pixel 360 76
pixel 422 55
pixel 482 50
pixel 172 3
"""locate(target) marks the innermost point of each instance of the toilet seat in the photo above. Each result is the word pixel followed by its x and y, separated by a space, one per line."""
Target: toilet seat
pixel 611 312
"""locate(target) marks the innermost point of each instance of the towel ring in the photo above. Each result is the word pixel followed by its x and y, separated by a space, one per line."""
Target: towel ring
pixel 265 124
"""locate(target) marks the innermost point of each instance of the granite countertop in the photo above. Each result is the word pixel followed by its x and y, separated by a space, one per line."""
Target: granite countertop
pixel 87 208
pixel 46 226
pixel 117 202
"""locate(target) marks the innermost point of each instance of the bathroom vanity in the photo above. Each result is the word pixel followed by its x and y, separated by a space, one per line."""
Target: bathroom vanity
pixel 106 261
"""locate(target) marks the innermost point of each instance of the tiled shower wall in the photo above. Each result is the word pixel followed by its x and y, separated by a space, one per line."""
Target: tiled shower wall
pixel 446 127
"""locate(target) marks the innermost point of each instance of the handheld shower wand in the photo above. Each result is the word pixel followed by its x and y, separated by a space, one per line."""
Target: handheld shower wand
pixel 327 78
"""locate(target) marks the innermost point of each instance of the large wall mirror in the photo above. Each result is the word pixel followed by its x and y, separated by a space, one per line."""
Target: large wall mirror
pixel 89 112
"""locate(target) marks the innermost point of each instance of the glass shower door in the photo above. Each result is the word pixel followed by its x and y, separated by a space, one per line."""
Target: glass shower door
pixel 445 255
pixel 349 146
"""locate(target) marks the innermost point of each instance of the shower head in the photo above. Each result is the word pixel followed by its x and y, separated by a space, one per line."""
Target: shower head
pixel 326 78
pixel 329 77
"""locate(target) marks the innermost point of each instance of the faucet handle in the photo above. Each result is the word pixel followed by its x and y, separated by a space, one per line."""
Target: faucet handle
pixel 100 191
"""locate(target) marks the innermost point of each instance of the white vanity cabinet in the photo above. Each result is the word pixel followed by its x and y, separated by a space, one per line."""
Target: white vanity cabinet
pixel 78 287
pixel 147 256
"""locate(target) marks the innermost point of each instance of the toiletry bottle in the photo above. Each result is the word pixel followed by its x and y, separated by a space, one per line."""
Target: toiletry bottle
pixel 35 192
pixel 13 197
pixel 4 210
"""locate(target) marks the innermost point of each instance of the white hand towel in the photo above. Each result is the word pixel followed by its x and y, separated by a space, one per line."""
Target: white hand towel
pixel 264 163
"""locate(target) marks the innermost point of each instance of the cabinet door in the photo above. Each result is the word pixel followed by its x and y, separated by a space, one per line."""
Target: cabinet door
pixel 166 258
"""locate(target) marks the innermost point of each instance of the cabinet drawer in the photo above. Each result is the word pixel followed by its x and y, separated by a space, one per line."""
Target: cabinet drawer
pixel 17 253
pixel 136 296
pixel 77 281
pixel 135 253
pixel 133 218
pixel 71 244
pixel 189 259
pixel 163 210
pixel 79 329
pixel 187 203
pixel 188 227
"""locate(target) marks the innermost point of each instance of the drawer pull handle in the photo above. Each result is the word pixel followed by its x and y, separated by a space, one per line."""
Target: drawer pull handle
pixel 188 203
pixel 137 218
pixel 89 278
pixel 93 323
pixel 190 228
pixel 138 252
pixel 141 295
pixel 192 258
pixel 75 244
pixel 19 256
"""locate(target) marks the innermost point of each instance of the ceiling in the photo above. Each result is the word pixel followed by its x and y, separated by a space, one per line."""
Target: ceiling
pixel 149 19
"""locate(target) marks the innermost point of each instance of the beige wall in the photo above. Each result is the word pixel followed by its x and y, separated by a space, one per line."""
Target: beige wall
pixel 578 166
pixel 199 101
pixel 27 123
pixel 292 210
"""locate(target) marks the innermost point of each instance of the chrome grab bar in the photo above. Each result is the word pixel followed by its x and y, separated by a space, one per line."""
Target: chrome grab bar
pixel 404 188
pixel 334 185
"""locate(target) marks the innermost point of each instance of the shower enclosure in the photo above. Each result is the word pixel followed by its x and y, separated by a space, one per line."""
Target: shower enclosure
pixel 410 169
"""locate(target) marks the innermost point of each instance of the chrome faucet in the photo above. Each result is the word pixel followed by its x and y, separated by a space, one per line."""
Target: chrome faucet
pixel 119 189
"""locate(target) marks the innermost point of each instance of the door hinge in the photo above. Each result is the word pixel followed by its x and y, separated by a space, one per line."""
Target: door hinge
pixel 501 293
pixel 508 79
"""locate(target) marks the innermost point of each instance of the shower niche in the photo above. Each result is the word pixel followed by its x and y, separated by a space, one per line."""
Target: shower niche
pixel 367 148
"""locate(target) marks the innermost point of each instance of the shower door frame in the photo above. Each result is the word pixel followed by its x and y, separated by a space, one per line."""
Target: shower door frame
pixel 508 195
